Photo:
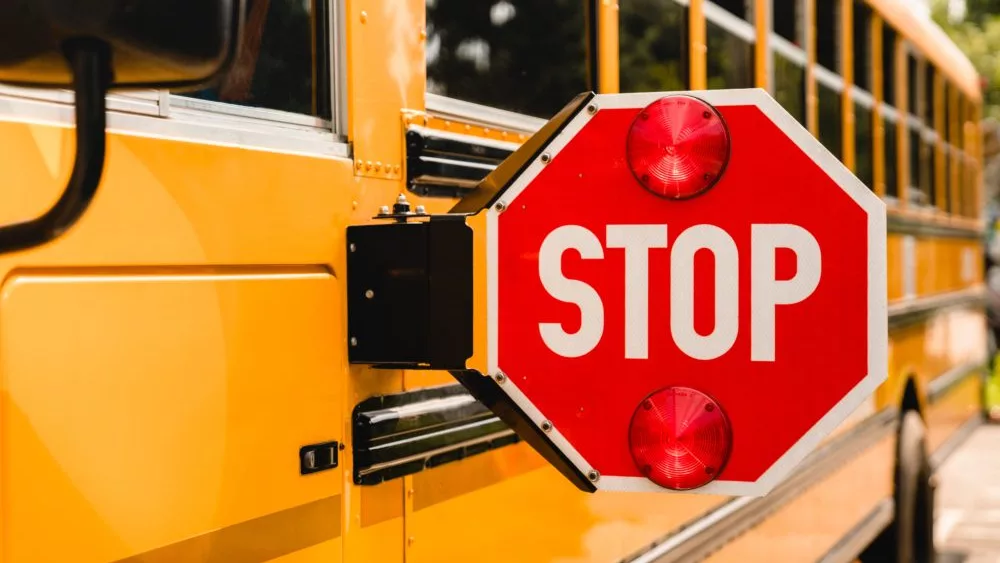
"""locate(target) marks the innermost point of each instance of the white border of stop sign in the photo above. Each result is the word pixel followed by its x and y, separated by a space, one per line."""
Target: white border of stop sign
pixel 877 305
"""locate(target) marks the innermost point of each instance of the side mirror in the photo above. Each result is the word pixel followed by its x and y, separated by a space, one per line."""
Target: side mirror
pixel 93 46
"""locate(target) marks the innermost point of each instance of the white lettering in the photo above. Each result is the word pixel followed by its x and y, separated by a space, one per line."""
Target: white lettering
pixel 637 240
pixel 577 292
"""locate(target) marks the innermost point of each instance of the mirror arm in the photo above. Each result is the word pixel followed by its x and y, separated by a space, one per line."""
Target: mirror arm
pixel 90 61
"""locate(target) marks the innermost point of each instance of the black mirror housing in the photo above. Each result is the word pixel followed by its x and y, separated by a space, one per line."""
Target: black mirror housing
pixel 176 44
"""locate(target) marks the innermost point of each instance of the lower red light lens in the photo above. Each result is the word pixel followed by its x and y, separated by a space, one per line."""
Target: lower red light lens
pixel 677 147
pixel 680 438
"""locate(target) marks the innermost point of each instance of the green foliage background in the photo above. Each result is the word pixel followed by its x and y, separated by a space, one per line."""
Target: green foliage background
pixel 978 35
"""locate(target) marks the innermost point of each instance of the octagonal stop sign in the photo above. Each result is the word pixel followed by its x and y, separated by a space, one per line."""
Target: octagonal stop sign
pixel 685 291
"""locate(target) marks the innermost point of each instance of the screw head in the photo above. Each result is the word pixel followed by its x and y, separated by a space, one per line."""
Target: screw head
pixel 354 341
pixel 592 109
pixel 594 476
pixel 500 377
pixel 546 426
pixel 384 210
pixel 421 210
pixel 500 206
pixel 369 294
pixel 546 158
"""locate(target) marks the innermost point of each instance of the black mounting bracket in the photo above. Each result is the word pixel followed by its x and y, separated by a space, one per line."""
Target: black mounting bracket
pixel 409 292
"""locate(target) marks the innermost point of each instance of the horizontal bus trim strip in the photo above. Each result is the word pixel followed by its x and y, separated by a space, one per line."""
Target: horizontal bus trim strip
pixel 914 226
pixel 911 311
pixel 700 537
pixel 862 534
pixel 957 438
pixel 942 384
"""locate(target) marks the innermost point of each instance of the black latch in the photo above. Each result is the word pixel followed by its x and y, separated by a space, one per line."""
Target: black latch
pixel 409 286
pixel 318 457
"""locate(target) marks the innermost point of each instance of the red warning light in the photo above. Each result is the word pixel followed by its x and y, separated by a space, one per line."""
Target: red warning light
pixel 680 438
pixel 677 147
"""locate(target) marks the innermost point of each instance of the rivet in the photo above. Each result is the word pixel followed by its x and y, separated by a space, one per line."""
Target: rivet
pixel 354 341
pixel 546 158
pixel 353 247
pixel 546 426
pixel 503 134
pixel 364 16
pixel 354 204
pixel 500 206
pixel 421 210
pixel 369 294
pixel 592 109
pixel 423 33
pixel 359 165
pixel 368 165
pixel 395 169
pixel 426 121
pixel 410 540
pixel 384 210
pixel 500 377
pixel 593 475
pixel 409 492
pixel 378 166
pixel 468 127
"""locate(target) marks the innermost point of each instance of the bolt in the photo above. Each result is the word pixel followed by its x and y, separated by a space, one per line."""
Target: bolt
pixel 378 166
pixel 500 206
pixel 410 540
pixel 546 158
pixel 421 210
pixel 369 294
pixel 364 16
pixel 354 341
pixel 353 247
pixel 593 475
pixel 546 426
pixel 592 109
pixel 384 210
pixel 500 377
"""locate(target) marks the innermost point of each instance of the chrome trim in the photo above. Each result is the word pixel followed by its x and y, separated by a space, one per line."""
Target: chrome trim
pixel 338 72
pixel 908 311
pixel 703 536
pixel 731 23
pixel 913 226
pixel 929 135
pixel 889 112
pixel 957 438
pixel 862 97
pixel 189 126
pixel 248 112
pixel 862 534
pixel 471 139
pixel 829 78
pixel 944 383
pixel 478 114
pixel 430 453
pixel 787 49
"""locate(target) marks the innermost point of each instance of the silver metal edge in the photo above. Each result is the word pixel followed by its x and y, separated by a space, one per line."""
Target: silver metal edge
pixel 706 534
pixel 477 114
pixel 957 438
pixel 862 534
pixel 916 307
pixel 944 383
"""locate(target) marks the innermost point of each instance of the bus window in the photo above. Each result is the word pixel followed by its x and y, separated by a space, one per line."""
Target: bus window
pixel 828 34
pixel 918 192
pixel 863 149
pixel 730 56
pixel 742 9
pixel 929 109
pixel 830 118
pixel 788 18
pixel 527 57
pixel 912 88
pixel 888 65
pixel 653 46
pixel 276 67
pixel 891 157
pixel 862 45
pixel 789 58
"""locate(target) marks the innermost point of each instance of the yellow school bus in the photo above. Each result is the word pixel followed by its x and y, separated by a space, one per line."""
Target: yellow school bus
pixel 175 375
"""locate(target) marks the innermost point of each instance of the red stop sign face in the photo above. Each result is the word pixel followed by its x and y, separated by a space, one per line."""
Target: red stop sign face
pixel 766 293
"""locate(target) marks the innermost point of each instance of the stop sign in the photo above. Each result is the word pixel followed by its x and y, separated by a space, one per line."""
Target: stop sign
pixel 686 291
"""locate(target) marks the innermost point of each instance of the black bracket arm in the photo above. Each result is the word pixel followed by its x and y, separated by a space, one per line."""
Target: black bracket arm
pixel 90 61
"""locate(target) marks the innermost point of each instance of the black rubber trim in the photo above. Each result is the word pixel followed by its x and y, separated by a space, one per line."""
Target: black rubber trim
pixel 404 433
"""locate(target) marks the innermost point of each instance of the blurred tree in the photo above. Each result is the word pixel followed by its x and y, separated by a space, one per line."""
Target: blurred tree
pixel 978 36
pixel 653 53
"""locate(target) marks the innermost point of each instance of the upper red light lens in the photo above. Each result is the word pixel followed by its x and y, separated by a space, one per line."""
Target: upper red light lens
pixel 677 146
pixel 680 438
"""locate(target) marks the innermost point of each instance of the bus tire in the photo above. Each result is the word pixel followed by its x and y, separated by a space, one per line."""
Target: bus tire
pixel 910 536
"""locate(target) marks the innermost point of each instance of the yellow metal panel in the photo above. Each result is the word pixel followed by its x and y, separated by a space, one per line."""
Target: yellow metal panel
pixel 144 408
pixel 699 45
pixel 511 506
pixel 953 410
pixel 807 527
pixel 607 36
pixel 762 78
